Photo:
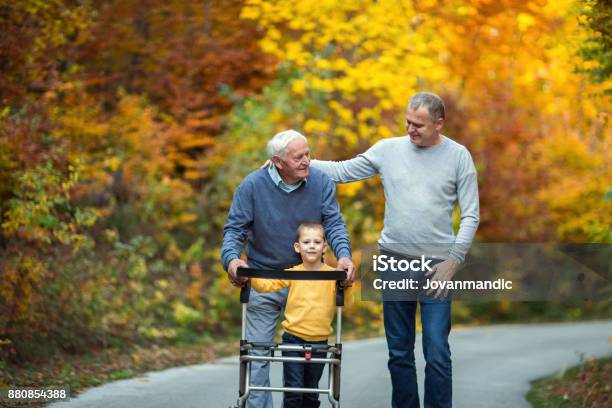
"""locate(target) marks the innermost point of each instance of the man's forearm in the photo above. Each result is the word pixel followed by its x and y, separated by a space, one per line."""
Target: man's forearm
pixel 233 240
pixel 469 205
pixel 334 225
pixel 465 236
pixel 338 238
pixel 343 250
pixel 228 254
pixel 346 171
pixel 235 230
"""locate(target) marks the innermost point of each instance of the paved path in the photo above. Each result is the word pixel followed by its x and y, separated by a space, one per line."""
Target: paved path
pixel 492 365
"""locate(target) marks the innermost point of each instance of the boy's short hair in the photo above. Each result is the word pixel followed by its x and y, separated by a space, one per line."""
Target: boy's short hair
pixel 310 224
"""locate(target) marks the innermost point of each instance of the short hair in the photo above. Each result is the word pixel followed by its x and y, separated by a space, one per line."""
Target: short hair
pixel 309 224
pixel 278 144
pixel 432 102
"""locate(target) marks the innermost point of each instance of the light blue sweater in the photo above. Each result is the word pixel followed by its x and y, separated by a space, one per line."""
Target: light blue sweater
pixel 421 188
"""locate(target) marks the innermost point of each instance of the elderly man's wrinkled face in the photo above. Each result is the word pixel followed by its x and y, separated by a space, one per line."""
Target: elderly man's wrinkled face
pixel 422 129
pixel 294 165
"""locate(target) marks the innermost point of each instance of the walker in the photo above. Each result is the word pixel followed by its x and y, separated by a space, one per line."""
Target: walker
pixel 334 352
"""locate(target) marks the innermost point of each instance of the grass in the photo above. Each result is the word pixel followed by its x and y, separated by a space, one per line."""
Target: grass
pixel 586 385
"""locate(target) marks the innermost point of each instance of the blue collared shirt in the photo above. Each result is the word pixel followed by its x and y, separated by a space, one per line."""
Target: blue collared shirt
pixel 278 181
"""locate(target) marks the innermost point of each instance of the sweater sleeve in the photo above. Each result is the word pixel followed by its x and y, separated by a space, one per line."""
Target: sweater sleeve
pixel 238 222
pixel 467 195
pixel 269 285
pixel 361 167
pixel 335 228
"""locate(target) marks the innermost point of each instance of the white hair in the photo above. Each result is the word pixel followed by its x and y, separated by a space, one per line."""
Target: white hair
pixel 278 144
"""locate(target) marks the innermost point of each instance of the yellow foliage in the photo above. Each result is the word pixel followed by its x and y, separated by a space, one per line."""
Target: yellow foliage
pixel 510 65
pixel 525 21
pixel 355 52
pixel 349 190
pixel 298 87
pixel 315 126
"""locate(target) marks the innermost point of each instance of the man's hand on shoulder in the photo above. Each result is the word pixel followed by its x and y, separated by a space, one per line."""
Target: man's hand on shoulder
pixel 232 272
pixel 346 264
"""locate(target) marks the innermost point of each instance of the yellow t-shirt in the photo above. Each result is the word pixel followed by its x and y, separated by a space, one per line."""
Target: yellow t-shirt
pixel 311 305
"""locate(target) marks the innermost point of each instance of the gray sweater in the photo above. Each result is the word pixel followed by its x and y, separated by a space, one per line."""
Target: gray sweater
pixel 421 188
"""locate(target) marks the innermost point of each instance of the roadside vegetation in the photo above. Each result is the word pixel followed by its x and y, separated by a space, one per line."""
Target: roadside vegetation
pixel 586 385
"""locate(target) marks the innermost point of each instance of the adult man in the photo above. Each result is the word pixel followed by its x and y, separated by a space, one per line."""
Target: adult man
pixel 266 210
pixel 423 175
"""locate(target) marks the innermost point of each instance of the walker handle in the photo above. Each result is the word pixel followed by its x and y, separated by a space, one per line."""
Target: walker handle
pixel 245 291
pixel 290 275
pixel 339 294
pixel 338 276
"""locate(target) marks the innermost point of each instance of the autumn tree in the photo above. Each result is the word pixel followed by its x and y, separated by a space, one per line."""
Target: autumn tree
pixel 108 113
pixel 508 70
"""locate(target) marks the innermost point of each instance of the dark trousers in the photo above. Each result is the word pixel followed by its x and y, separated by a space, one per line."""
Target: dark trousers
pixel 301 375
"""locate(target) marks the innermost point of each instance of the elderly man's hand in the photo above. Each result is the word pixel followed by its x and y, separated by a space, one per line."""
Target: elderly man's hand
pixel 232 272
pixel 443 271
pixel 346 264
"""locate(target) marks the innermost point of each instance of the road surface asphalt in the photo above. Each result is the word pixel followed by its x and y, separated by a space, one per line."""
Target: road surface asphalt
pixel 492 367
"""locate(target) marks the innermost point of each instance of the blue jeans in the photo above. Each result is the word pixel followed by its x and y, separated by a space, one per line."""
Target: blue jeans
pixel 263 312
pixel 399 320
pixel 301 375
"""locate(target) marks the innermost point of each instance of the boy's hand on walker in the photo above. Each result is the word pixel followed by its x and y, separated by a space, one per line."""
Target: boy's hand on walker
pixel 347 265
pixel 232 272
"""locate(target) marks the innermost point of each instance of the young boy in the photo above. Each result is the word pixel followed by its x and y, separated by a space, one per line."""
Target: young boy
pixel 309 312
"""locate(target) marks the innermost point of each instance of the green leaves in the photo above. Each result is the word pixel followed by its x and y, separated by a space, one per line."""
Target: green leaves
pixel 597 17
pixel 42 211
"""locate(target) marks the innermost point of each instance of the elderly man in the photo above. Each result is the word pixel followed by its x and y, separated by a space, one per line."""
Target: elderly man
pixel 423 174
pixel 267 208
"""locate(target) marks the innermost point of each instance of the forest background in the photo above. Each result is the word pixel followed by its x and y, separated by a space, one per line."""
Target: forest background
pixel 125 127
